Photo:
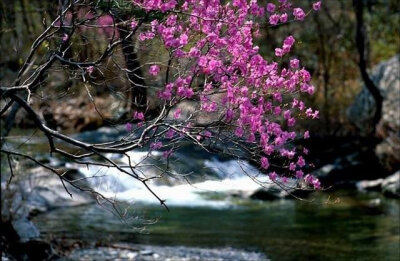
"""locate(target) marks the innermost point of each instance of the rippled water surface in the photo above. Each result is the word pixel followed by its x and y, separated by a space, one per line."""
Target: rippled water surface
pixel 358 227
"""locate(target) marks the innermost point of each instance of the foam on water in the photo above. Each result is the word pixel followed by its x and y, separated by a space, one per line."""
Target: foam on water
pixel 232 178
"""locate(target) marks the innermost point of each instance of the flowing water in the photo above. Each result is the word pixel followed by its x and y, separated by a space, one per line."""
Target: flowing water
pixel 359 227
pixel 342 225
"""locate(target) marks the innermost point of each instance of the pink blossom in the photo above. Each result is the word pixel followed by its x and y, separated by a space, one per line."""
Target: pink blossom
pixel 138 115
pixel 309 112
pixel 177 113
pixel 283 18
pixel 310 179
pixel 188 93
pixel 299 14
pixel 154 70
pixel 65 37
pixel 274 19
pixel 289 40
pixel 229 115
pixel 315 115
pixel 183 39
pixel 239 132
pixel 142 37
pixel 90 69
pixel 134 23
pixel 300 161
pixel 194 52
pixel 203 61
pixel 128 126
pixel 273 176
pixel 306 134
pixel 306 75
pixel 277 110
pixel 299 174
pixel 271 7
pixel 279 52
pixel 317 184
pixel 264 163
pixel 291 122
pixel 207 134
pixel 251 137
pixel 156 145
pixel 294 63
pixel 292 166
pixel 170 134
pixel 317 5
pixel 310 89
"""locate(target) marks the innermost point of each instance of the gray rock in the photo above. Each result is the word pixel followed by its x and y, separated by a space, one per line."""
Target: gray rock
pixel 370 185
pixel 388 152
pixel 41 191
pixel 25 229
pixel 326 170
pixel 272 192
pixel 391 185
pixel 266 194
pixel 386 76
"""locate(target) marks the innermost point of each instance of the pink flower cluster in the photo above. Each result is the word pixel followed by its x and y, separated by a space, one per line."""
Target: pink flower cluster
pixel 287 45
pixel 279 12
pixel 138 116
pixel 254 91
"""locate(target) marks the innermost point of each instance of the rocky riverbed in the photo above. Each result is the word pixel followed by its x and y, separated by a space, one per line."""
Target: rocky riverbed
pixel 155 253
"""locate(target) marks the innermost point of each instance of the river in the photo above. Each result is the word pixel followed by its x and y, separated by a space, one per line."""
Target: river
pixel 339 225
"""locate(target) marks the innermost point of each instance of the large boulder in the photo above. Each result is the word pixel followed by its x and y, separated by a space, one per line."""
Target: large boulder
pixel 386 77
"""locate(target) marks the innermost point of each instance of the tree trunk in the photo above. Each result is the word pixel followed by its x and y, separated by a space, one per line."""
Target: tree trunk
pixel 137 84
pixel 362 64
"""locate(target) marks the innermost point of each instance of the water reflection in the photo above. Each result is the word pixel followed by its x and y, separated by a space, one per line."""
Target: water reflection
pixel 357 228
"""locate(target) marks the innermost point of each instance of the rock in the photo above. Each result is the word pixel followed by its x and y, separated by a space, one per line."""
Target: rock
pixel 388 152
pixel 386 76
pixel 347 169
pixel 370 185
pixel 48 192
pixel 391 185
pixel 25 229
pixel 268 194
pixel 325 170
pixel 17 243
pixel 38 250
pixel 41 191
